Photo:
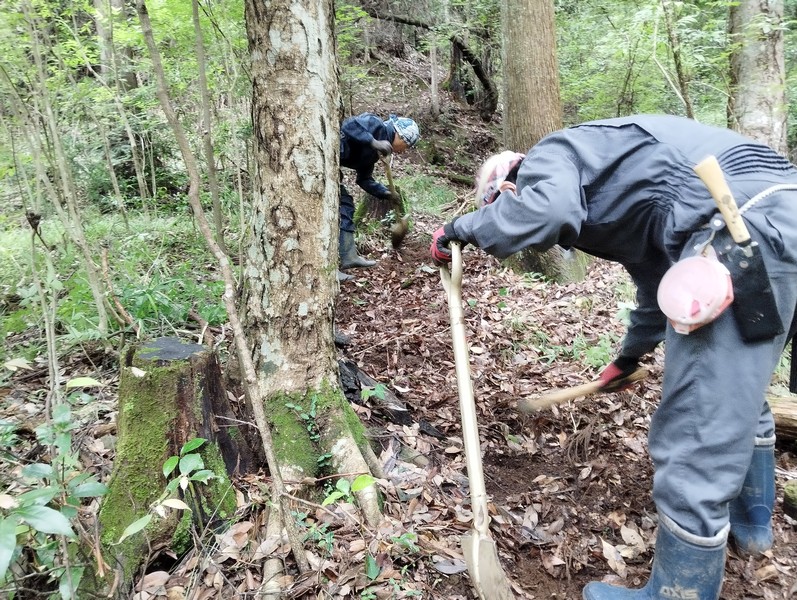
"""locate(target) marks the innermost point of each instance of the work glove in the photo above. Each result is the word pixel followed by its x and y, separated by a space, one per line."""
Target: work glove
pixel 383 147
pixel 441 244
pixel 613 377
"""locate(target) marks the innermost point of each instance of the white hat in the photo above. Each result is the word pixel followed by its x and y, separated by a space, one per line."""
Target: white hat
pixel 493 173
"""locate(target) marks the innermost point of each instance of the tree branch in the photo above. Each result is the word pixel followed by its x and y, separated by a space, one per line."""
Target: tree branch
pixel 491 103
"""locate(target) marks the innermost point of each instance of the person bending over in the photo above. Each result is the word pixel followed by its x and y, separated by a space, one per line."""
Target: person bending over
pixel 625 189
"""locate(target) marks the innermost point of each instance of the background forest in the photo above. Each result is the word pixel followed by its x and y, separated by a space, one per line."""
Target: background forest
pixel 102 248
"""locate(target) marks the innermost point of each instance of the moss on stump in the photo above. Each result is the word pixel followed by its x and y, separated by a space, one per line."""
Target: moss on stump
pixel 169 393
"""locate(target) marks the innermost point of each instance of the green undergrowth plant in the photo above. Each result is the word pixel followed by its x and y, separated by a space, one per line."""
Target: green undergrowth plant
pixel 345 489
pixel 315 532
pixel 378 391
pixel 184 471
pixel 421 193
pixel 595 353
pixel 39 545
pixel 159 269
pixel 425 194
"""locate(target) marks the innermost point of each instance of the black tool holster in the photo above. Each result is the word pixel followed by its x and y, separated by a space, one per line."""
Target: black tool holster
pixel 754 305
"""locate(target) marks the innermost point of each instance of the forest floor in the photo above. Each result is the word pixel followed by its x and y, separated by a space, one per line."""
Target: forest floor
pixel 569 487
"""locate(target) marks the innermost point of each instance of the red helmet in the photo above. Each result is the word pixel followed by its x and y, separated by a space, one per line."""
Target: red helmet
pixel 492 175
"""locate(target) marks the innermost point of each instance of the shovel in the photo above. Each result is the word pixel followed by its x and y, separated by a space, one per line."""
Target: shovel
pixel 481 556
pixel 399 229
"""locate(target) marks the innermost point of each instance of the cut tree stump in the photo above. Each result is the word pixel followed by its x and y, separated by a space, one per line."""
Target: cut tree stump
pixel 170 392
pixel 790 498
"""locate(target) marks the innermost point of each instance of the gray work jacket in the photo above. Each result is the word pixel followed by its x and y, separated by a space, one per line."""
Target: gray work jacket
pixel 623 189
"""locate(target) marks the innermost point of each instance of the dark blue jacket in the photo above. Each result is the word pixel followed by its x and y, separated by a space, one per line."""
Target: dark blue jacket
pixel 356 153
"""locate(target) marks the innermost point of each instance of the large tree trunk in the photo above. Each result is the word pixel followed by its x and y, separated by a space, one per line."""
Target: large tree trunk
pixel 289 282
pixel 532 105
pixel 242 347
pixel 757 105
pixel 533 109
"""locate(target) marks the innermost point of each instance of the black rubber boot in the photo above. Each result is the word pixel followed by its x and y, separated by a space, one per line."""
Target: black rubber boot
pixel 349 259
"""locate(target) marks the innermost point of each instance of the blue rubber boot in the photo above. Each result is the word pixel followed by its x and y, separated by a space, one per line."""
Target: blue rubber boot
pixel 751 510
pixel 684 566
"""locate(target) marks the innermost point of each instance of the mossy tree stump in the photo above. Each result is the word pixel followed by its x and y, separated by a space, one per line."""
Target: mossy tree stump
pixel 557 264
pixel 372 208
pixel 790 498
pixel 170 392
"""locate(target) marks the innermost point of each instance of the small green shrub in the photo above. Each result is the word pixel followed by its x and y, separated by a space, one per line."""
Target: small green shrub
pixel 425 194
pixel 36 529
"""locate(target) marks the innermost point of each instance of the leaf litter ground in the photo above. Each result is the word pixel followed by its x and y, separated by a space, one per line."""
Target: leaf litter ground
pixel 569 487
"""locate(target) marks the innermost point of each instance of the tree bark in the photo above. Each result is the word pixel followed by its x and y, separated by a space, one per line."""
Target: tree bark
pixel 784 409
pixel 532 103
pixel 243 351
pixel 533 109
pixel 556 264
pixel 289 283
pixel 757 105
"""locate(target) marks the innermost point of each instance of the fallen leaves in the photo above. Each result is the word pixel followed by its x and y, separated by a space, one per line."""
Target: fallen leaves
pixel 569 487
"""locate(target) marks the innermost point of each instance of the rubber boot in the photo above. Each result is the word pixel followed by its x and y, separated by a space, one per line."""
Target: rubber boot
pixel 344 276
pixel 751 510
pixel 349 259
pixel 684 566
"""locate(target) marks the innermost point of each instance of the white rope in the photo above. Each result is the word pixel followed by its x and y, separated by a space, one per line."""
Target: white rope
pixel 767 192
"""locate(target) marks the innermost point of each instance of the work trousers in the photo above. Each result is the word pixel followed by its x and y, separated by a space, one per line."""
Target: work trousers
pixel 346 210
pixel 713 406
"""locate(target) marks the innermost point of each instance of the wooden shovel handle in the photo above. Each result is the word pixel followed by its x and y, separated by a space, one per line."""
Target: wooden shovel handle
pixel 452 283
pixel 529 405
pixel 710 173
pixel 389 173
pixel 398 205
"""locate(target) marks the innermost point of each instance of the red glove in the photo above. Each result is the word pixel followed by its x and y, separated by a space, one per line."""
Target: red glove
pixel 613 376
pixel 441 242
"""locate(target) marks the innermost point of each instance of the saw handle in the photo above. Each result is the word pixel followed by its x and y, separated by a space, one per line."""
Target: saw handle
pixel 530 405
pixel 710 173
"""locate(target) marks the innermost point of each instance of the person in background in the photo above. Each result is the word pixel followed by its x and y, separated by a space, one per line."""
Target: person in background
pixel 625 190
pixel 363 140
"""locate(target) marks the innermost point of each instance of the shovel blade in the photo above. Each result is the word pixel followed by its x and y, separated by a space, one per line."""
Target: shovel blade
pixel 398 231
pixel 486 574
